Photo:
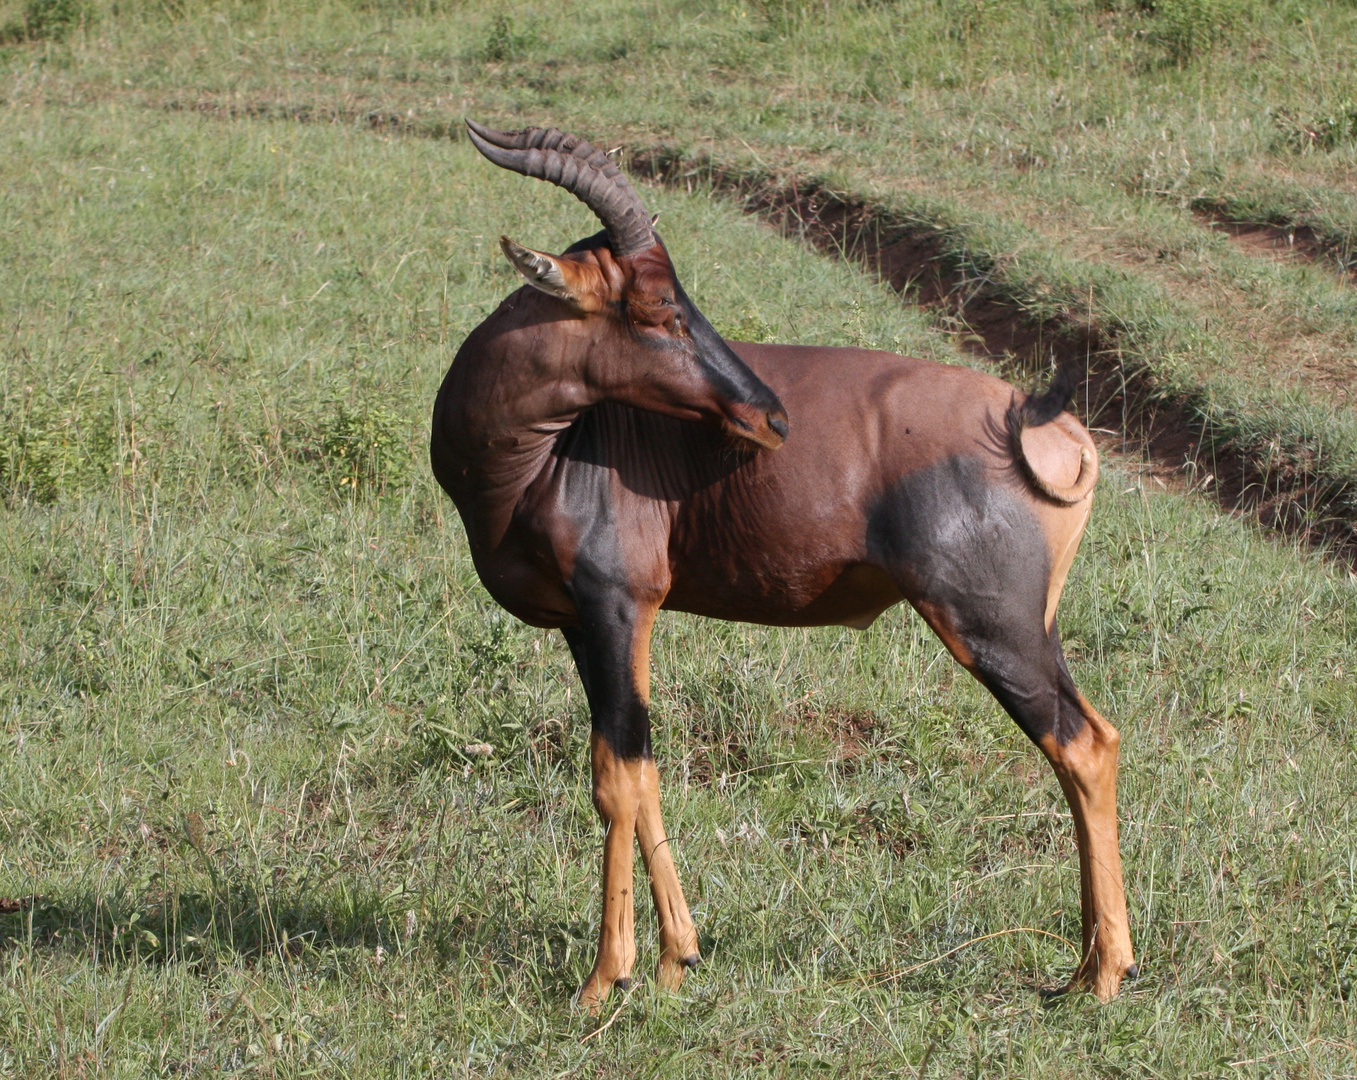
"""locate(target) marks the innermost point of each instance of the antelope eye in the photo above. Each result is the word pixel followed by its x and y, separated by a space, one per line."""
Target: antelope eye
pixel 643 315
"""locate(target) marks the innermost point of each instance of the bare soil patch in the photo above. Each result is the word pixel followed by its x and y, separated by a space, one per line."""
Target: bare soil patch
pixel 853 733
pixel 1274 240
pixel 1283 242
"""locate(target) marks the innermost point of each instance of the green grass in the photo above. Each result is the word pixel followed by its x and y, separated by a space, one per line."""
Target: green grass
pixel 1061 148
pixel 246 649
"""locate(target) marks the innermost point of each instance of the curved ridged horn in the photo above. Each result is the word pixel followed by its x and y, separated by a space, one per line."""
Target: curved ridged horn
pixel 587 173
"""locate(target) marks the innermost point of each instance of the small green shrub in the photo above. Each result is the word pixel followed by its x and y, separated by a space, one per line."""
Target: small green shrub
pixel 36 451
pixel 47 20
pixel 751 326
pixel 356 447
pixel 50 448
pixel 1326 129
pixel 784 16
pixel 505 41
pixel 1185 28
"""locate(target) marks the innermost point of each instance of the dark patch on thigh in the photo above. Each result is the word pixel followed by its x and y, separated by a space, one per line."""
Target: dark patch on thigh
pixel 957 534
pixel 969 553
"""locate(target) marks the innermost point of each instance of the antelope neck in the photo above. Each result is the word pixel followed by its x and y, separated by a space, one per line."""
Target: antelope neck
pixel 511 390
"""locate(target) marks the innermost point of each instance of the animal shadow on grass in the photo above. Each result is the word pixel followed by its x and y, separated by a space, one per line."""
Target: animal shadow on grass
pixel 191 926
pixel 329 934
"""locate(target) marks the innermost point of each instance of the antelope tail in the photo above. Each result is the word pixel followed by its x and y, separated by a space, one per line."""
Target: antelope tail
pixel 1046 443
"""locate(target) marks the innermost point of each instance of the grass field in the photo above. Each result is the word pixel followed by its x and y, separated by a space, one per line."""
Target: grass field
pixel 1081 165
pixel 245 647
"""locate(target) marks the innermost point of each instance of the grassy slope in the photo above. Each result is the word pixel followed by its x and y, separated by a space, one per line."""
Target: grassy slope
pixel 1059 149
pixel 238 693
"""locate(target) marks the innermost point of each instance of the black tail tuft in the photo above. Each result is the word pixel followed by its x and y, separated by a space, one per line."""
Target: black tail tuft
pixel 1042 408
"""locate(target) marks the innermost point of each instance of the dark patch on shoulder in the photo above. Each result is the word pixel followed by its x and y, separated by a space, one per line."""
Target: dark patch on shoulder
pixel 599 588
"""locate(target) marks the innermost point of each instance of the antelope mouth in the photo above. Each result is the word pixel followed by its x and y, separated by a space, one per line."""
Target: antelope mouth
pixel 766 430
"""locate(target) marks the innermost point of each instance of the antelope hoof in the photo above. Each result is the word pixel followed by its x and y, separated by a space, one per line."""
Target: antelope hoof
pixel 1102 979
pixel 593 994
pixel 672 970
pixel 591 997
pixel 1105 981
pixel 596 989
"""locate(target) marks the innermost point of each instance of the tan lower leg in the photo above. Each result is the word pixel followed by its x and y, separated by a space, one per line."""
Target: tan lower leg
pixel 617 786
pixel 1087 769
pixel 678 935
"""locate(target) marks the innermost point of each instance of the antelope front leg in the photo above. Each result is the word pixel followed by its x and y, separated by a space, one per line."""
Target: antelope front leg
pixel 678 935
pixel 612 652
pixel 617 790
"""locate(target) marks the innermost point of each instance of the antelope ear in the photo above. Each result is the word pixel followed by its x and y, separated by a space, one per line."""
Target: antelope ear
pixel 562 278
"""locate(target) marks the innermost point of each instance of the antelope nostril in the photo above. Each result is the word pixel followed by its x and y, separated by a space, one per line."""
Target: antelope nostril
pixel 778 424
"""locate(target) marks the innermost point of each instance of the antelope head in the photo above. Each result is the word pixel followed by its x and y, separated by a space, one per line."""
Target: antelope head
pixel 637 338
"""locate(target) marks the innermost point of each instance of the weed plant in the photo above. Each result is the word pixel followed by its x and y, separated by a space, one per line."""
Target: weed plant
pixel 46 20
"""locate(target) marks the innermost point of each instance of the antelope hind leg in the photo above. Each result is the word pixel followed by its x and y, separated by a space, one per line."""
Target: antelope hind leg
pixel 1086 767
pixel 984 564
pixel 1033 685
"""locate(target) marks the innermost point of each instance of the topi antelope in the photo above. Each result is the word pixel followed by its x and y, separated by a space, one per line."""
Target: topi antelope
pixel 610 455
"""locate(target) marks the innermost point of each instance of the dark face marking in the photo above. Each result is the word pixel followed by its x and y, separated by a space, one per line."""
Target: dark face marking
pixel 704 376
pixel 971 556
pixel 725 371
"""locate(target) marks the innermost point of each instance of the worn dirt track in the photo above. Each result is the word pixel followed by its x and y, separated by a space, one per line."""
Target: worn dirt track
pixel 1132 416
